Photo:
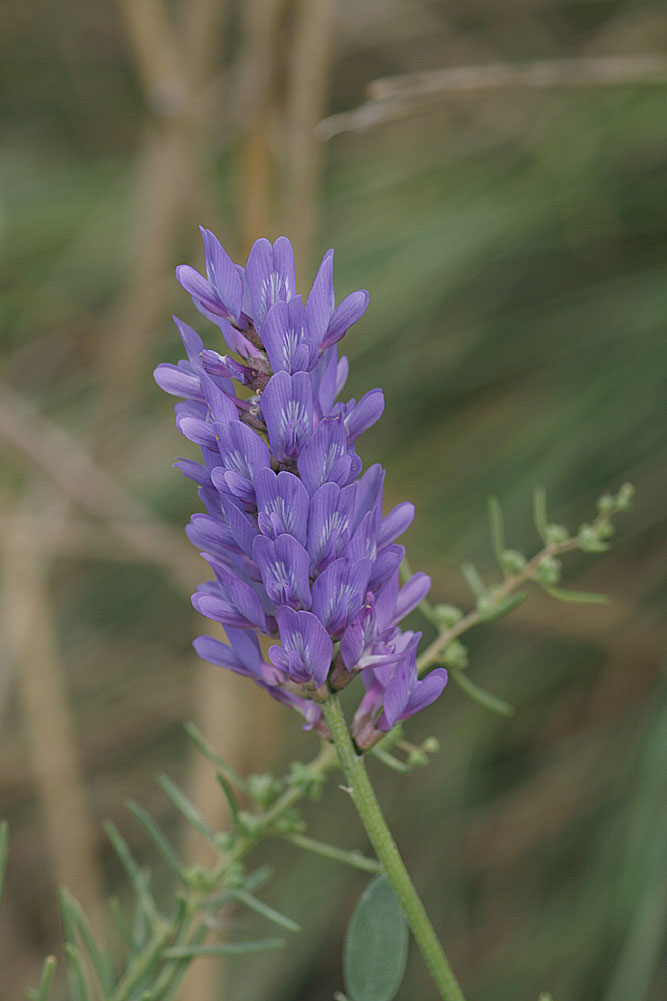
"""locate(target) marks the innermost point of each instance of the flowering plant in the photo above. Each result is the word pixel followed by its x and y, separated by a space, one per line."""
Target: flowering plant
pixel 302 553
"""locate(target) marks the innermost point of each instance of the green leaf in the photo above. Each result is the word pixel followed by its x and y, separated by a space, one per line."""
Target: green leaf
pixel 4 849
pixel 497 529
pixel 75 921
pixel 495 612
pixel 540 513
pixel 76 975
pixel 137 877
pixel 481 696
pixel 471 574
pixel 376 945
pixel 41 992
pixel 582 597
pixel 229 795
pixel 223 948
pixel 197 738
pixel 157 837
pixel 185 807
pixel 267 912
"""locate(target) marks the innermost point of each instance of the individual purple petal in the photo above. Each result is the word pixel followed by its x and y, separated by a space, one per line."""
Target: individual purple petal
pixel 386 564
pixel 369 493
pixel 411 594
pixel 342 371
pixel 192 342
pixel 329 524
pixel 208 532
pixel 282 504
pixel 178 380
pixel 241 528
pixel 194 471
pixel 338 593
pixel 196 430
pixel 320 458
pixel 351 309
pixel 222 274
pixel 306 644
pixel 201 290
pixel 425 692
pixel 270 276
pixel 284 566
pixel 285 339
pixel 243 655
pixel 364 414
pixel 287 409
pixel 321 302
pixel 395 523
pixel 235 593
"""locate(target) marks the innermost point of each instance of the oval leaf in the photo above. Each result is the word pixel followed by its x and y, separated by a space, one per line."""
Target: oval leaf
pixel 376 945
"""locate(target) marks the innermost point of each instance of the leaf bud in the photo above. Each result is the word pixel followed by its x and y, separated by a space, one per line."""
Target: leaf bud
pixel 431 745
pixel 556 534
pixel 605 529
pixel 417 758
pixel 513 561
pixel 446 615
pixel 589 540
pixel 624 497
pixel 455 655
pixel 548 570
pixel 606 504
pixel 263 788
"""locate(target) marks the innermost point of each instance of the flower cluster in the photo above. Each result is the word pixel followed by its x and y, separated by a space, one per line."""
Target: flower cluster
pixel 294 531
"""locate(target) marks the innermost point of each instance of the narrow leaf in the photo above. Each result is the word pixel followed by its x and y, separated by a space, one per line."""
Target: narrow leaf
pixel 540 513
pixel 197 738
pixel 353 858
pixel 471 574
pixel 185 807
pixel 390 761
pixel 223 948
pixel 121 923
pixel 497 529
pixel 504 608
pixel 75 921
pixel 267 912
pixel 41 992
pixel 4 850
pixel 76 975
pixel 137 877
pixel 582 597
pixel 481 696
pixel 376 945
pixel 173 970
pixel 157 837
pixel 229 795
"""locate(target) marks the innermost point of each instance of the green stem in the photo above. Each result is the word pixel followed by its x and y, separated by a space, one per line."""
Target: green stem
pixel 385 848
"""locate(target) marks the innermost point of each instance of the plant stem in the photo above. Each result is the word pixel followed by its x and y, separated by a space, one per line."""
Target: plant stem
pixel 380 836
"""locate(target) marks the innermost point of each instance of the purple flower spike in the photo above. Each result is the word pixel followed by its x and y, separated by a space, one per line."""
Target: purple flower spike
pixel 307 649
pixel 283 565
pixel 293 531
pixel 287 408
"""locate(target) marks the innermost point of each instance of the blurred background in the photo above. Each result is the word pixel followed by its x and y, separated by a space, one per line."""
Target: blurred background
pixel 510 226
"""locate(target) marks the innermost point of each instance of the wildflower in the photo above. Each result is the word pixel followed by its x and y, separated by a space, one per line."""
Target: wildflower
pixel 293 530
